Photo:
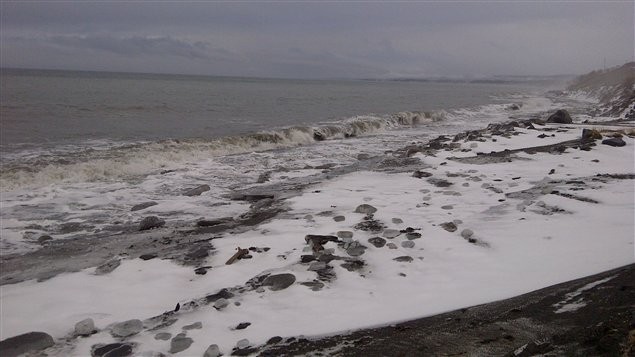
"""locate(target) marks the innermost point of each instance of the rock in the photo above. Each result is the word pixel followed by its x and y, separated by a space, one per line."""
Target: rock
pixel 315 239
pixel 243 325
pixel 449 226
pixel 107 267
pixel 514 106
pixel 339 218
pixel 356 251
pixel 85 327
pixel 274 340
pixel 345 234
pixel 112 350
pixel 616 142
pixel 212 351
pixel 28 342
pixel 397 221
pixel 421 174
pixel 408 244
pixel 467 233
pixel 317 266
pixel 279 281
pixel 413 235
pixel 264 177
pixel 148 256
pixel 180 343
pixel 307 258
pixel 391 233
pixel 126 328
pixel 163 336
pixel 313 285
pixel 194 326
pixel 44 238
pixel 561 116
pixel 143 205
pixel 591 134
pixel 439 182
pixel 448 207
pixel 196 191
pixel 404 258
pixel 244 343
pixel 365 209
pixel 221 304
pixel 363 156
pixel 378 242
pixel 150 222
pixel 391 245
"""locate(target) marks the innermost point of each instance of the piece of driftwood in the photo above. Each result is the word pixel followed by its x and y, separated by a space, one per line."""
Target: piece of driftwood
pixel 239 254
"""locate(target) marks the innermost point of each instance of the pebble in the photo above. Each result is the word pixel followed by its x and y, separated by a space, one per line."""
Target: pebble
pixel 164 336
pixel 449 226
pixel 317 266
pixel 194 326
pixel 180 343
pixel 365 209
pixel 447 207
pixel 345 234
pixel 391 233
pixel 356 251
pixel 467 233
pixel 212 351
pixel 378 242
pixel 243 325
pixel 339 218
pixel 397 221
pixel 413 235
pixel 221 304
pixel 391 245
pixel 408 244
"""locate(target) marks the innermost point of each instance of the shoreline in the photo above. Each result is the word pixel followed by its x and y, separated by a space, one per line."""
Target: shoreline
pixel 190 245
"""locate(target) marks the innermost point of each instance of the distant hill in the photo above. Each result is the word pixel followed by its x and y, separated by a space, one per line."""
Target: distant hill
pixel 614 88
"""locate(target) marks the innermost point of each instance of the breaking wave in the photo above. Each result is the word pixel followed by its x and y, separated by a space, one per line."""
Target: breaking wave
pixel 135 160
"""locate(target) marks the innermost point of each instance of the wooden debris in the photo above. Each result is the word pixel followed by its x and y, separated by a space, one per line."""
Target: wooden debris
pixel 239 254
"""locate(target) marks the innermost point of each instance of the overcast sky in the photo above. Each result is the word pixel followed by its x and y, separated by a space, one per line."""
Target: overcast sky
pixel 320 39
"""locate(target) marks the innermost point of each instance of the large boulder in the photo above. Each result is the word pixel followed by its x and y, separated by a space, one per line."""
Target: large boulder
pixel 561 116
pixel 28 342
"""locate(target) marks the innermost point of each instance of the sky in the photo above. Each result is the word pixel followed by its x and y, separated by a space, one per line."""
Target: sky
pixel 319 39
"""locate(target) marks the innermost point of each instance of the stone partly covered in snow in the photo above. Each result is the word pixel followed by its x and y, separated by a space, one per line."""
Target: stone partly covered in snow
pixel 150 222
pixel 391 233
pixel 85 327
pixel 163 336
pixel 365 209
pixel 180 343
pixel 221 304
pixel 378 242
pixel 413 235
pixel 126 328
pixel 561 116
pixel 467 233
pixel 144 205
pixel 408 244
pixel 28 342
pixel 345 234
pixel 212 351
pixel 107 267
pixel 355 249
pixel 449 226
pixel 196 191
pixel 279 281
pixel 113 350
pixel 244 343
pixel 397 221
pixel 616 142
pixel 339 218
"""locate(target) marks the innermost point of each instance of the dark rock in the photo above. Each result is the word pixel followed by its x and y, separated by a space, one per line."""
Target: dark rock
pixel 561 116
pixel 275 339
pixel 449 226
pixel 221 304
pixel 150 222
pixel 222 294
pixel 177 307
pixel 369 224
pixel 107 267
pixel 143 205
pixel 365 209
pixel 317 266
pixel 616 142
pixel 397 220
pixel 378 242
pixel 325 166
pixel 251 197
pixel 44 238
pixel 214 222
pixel 279 281
pixel 391 233
pixel 313 285
pixel 439 182
pixel 197 253
pixel 196 191
pixel 180 343
pixel 316 239
pixel 148 256
pixel 339 218
pixel 413 235
pixel 408 244
pixel 112 350
pixel 421 174
pixel 404 258
pixel 514 106
pixel 126 328
pixel 32 341
pixel 353 265
pixel 243 325
pixel 307 258
pixel 264 177
pixel 345 234
pixel 356 250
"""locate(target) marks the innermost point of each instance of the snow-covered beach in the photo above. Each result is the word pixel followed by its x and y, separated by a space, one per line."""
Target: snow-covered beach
pixel 432 226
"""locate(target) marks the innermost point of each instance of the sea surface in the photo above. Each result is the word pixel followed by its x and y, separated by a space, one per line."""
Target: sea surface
pixel 79 149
